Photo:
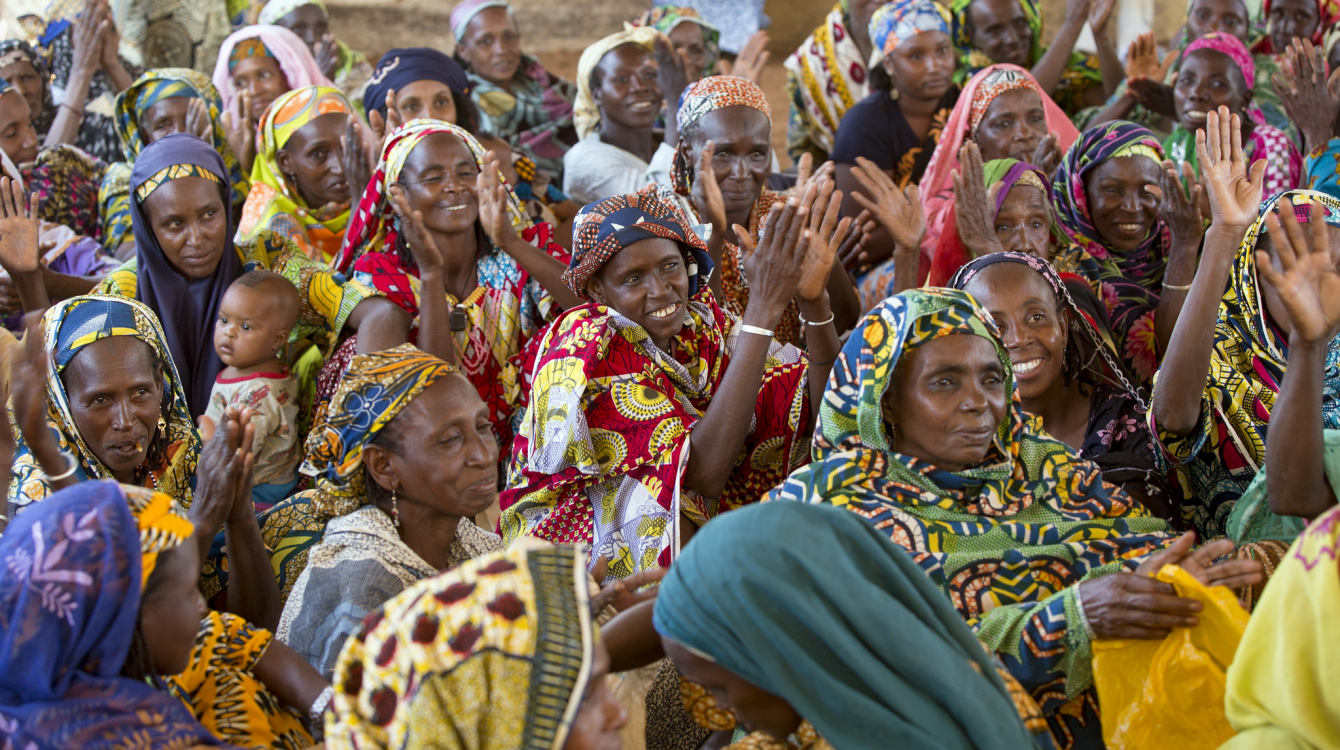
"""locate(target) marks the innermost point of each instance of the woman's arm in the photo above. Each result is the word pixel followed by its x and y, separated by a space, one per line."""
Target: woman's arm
pixel 1049 69
pixel 434 312
pixel 289 676
pixel 493 215
pixel 1181 214
pixel 88 32
pixel 380 323
pixel 1109 62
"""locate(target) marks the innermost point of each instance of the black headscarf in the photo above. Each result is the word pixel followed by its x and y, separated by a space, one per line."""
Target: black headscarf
pixel 186 308
pixel 401 67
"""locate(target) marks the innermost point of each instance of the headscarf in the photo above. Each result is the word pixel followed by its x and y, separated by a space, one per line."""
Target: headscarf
pixel 69 606
pixel 465 12
pixel 585 111
pixel 187 308
pixel 295 60
pixel 274 202
pixel 829 76
pixel 602 229
pixel 799 600
pixel 937 186
pixel 971 59
pixel 897 22
pixel 375 388
pixel 1328 15
pixel 1228 45
pixel 708 95
pixel 277 9
pixel 511 630
pixel 166 83
pixel 375 227
pixel 16 50
pixel 71 325
pixel 401 67
pixel 667 18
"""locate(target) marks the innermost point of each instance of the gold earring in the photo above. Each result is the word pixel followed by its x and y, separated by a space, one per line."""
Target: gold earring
pixel 162 424
pixel 395 509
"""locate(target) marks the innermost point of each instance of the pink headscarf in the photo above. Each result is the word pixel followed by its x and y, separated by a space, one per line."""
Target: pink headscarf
pixel 937 187
pixel 1231 46
pixel 294 58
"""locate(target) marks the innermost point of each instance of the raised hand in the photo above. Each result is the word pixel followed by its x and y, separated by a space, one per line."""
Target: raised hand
pixel 1047 156
pixel 1099 13
pixel 384 126
pixel 225 465
pixel 28 368
pixel 751 60
pixel 89 29
pixel 825 234
pixel 111 42
pixel 19 230
pixel 1142 59
pixel 493 208
pixel 1235 194
pixel 1301 84
pixel 706 196
pixel 852 252
pixel 674 71
pixel 327 56
pixel 975 204
pixel 359 159
pixel 1180 212
pixel 806 175
pixel 240 130
pixel 775 264
pixel 898 211
pixel 421 244
pixel 1307 279
pixel 197 120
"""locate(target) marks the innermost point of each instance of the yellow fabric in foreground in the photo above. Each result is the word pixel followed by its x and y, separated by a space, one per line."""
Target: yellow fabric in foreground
pixel 1283 692
pixel 1168 693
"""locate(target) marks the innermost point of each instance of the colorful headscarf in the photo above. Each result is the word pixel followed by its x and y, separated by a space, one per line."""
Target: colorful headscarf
pixel 375 388
pixel 704 96
pixel 295 60
pixel 997 82
pixel 826 76
pixel 172 172
pixel 1228 45
pixel 970 58
pixel 666 18
pixel 401 67
pixel 585 111
pixel 602 229
pixel 1328 15
pixel 71 325
pixel 17 50
pixel 511 629
pixel 274 203
pixel 277 9
pixel 843 588
pixel 70 602
pixel 375 227
pixel 245 49
pixel 462 14
pixel 897 22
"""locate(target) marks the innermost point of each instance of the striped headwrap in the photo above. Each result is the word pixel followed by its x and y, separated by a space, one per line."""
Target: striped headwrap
pixel 897 22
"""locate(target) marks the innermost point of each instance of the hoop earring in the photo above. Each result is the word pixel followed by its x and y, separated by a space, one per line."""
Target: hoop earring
pixel 395 509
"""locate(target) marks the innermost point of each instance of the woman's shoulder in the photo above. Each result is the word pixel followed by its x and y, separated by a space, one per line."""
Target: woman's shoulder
pixel 123 281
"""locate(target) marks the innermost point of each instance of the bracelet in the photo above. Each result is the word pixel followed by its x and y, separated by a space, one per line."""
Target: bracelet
pixel 825 362
pixel 69 472
pixel 756 330
pixel 1083 618
pixel 72 108
pixel 1177 287
pixel 831 316
pixel 319 705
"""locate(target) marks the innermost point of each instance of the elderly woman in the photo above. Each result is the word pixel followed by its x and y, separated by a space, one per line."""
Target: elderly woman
pixel 922 435
pixel 300 191
pixel 513 629
pixel 624 385
pixel 518 100
pixel 405 458
pixel 310 20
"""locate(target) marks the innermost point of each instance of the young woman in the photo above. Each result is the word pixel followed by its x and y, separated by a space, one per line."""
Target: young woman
pixel 689 35
pixel 418 83
pixel 310 20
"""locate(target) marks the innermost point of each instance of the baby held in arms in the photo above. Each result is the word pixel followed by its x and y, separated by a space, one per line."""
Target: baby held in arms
pixel 257 313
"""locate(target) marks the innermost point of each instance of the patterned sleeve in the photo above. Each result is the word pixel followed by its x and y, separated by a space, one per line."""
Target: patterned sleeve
pixel 326 297
pixel 121 282
pixel 1180 449
pixel 1323 167
pixel 114 206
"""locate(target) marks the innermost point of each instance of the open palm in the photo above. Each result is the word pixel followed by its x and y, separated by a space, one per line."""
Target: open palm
pixel 19 229
pixel 1235 191
pixel 1306 279
pixel 898 211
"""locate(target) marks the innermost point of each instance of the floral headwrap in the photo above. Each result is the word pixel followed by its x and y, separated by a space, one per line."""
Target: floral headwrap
pixel 375 225
pixel 602 229
pixel 375 388
pixel 708 95
pixel 1228 45
pixel 997 82
pixel 246 48
pixel 899 21
pixel 511 629
pixel 666 18
pixel 162 523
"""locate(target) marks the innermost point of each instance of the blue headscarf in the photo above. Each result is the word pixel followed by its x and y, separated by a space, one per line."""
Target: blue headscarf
pixel 401 67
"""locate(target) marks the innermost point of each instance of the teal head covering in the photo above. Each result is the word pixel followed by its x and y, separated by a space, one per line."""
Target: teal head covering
pixel 664 18
pixel 814 605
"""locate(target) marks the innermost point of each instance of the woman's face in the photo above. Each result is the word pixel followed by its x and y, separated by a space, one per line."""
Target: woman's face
pixel 1031 324
pixel 309 22
pixel 261 77
pixel 24 77
pixel 1228 16
pixel 1012 127
pixel 1023 223
pixel 426 99
pixel 646 282
pixel 165 117
pixel 1121 206
pixel 1001 31
pixel 1208 80
pixel 115 392
pixel 600 715
pixel 755 708
pixel 741 137
pixel 439 180
pixel 446 457
pixel 187 216
pixel 687 37
pixel 17 138
pixel 172 608
pixel 1292 18
pixel 628 93
pixel 313 160
pixel 946 400
pixel 492 46
pixel 922 67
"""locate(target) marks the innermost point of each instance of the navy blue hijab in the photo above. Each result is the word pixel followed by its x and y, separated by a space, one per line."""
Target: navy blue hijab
pixel 401 67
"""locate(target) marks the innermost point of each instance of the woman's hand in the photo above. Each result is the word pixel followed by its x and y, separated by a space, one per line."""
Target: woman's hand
pixel 752 59
pixel 493 208
pixel 1142 59
pixel 198 122
pixel 706 196
pixel 20 228
pixel 1307 280
pixel 359 159
pixel 624 594
pixel 1200 563
pixel 111 42
pixel 225 466
pixel 826 233
pixel 1235 194
pixel 327 55
pixel 898 211
pixel 1178 210
pixel 975 204
pixel 384 126
pixel 852 252
pixel 241 132
pixel 1047 156
pixel 1301 84
pixel 1130 605
pixel 421 244
pixel 1153 95
pixel 1099 13
pixel 28 394
pixel 89 29
pixel 774 265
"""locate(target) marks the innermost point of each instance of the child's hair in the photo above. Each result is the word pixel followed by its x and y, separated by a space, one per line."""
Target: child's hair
pixel 277 289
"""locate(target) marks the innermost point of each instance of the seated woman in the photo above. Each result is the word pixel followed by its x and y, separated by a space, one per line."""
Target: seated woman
pixel 920 434
pixel 400 488
pixel 1217 70
pixel 624 385
pixel 799 675
pixel 1068 370
pixel 619 99
pixel 1121 204
pixel 418 83
pixel 28 72
pixel 94 671
pixel 1219 382
pixel 1010 31
pixel 502 275
pixel 515 630
pixel 300 190
pixel 518 100
pixel 310 20
pixel 898 126
pixel 1004 111
pixel 186 259
pixel 162 102
pixel 1308 95
pixel 689 35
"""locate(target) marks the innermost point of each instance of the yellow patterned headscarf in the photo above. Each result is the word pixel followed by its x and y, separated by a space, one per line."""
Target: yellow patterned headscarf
pixel 170 173
pixel 496 653
pixel 162 523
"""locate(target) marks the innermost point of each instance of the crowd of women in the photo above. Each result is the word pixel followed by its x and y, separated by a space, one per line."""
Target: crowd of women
pixel 444 402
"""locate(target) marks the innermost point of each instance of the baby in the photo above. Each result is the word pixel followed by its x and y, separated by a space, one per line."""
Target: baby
pixel 255 317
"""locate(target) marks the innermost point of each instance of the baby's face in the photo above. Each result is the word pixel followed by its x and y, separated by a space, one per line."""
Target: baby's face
pixel 248 330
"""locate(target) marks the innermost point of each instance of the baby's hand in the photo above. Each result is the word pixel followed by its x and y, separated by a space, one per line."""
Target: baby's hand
pixel 207 427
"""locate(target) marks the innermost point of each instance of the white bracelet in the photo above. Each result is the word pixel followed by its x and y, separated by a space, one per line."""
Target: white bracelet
pixel 319 705
pixel 756 330
pixel 1083 618
pixel 69 472
pixel 824 322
